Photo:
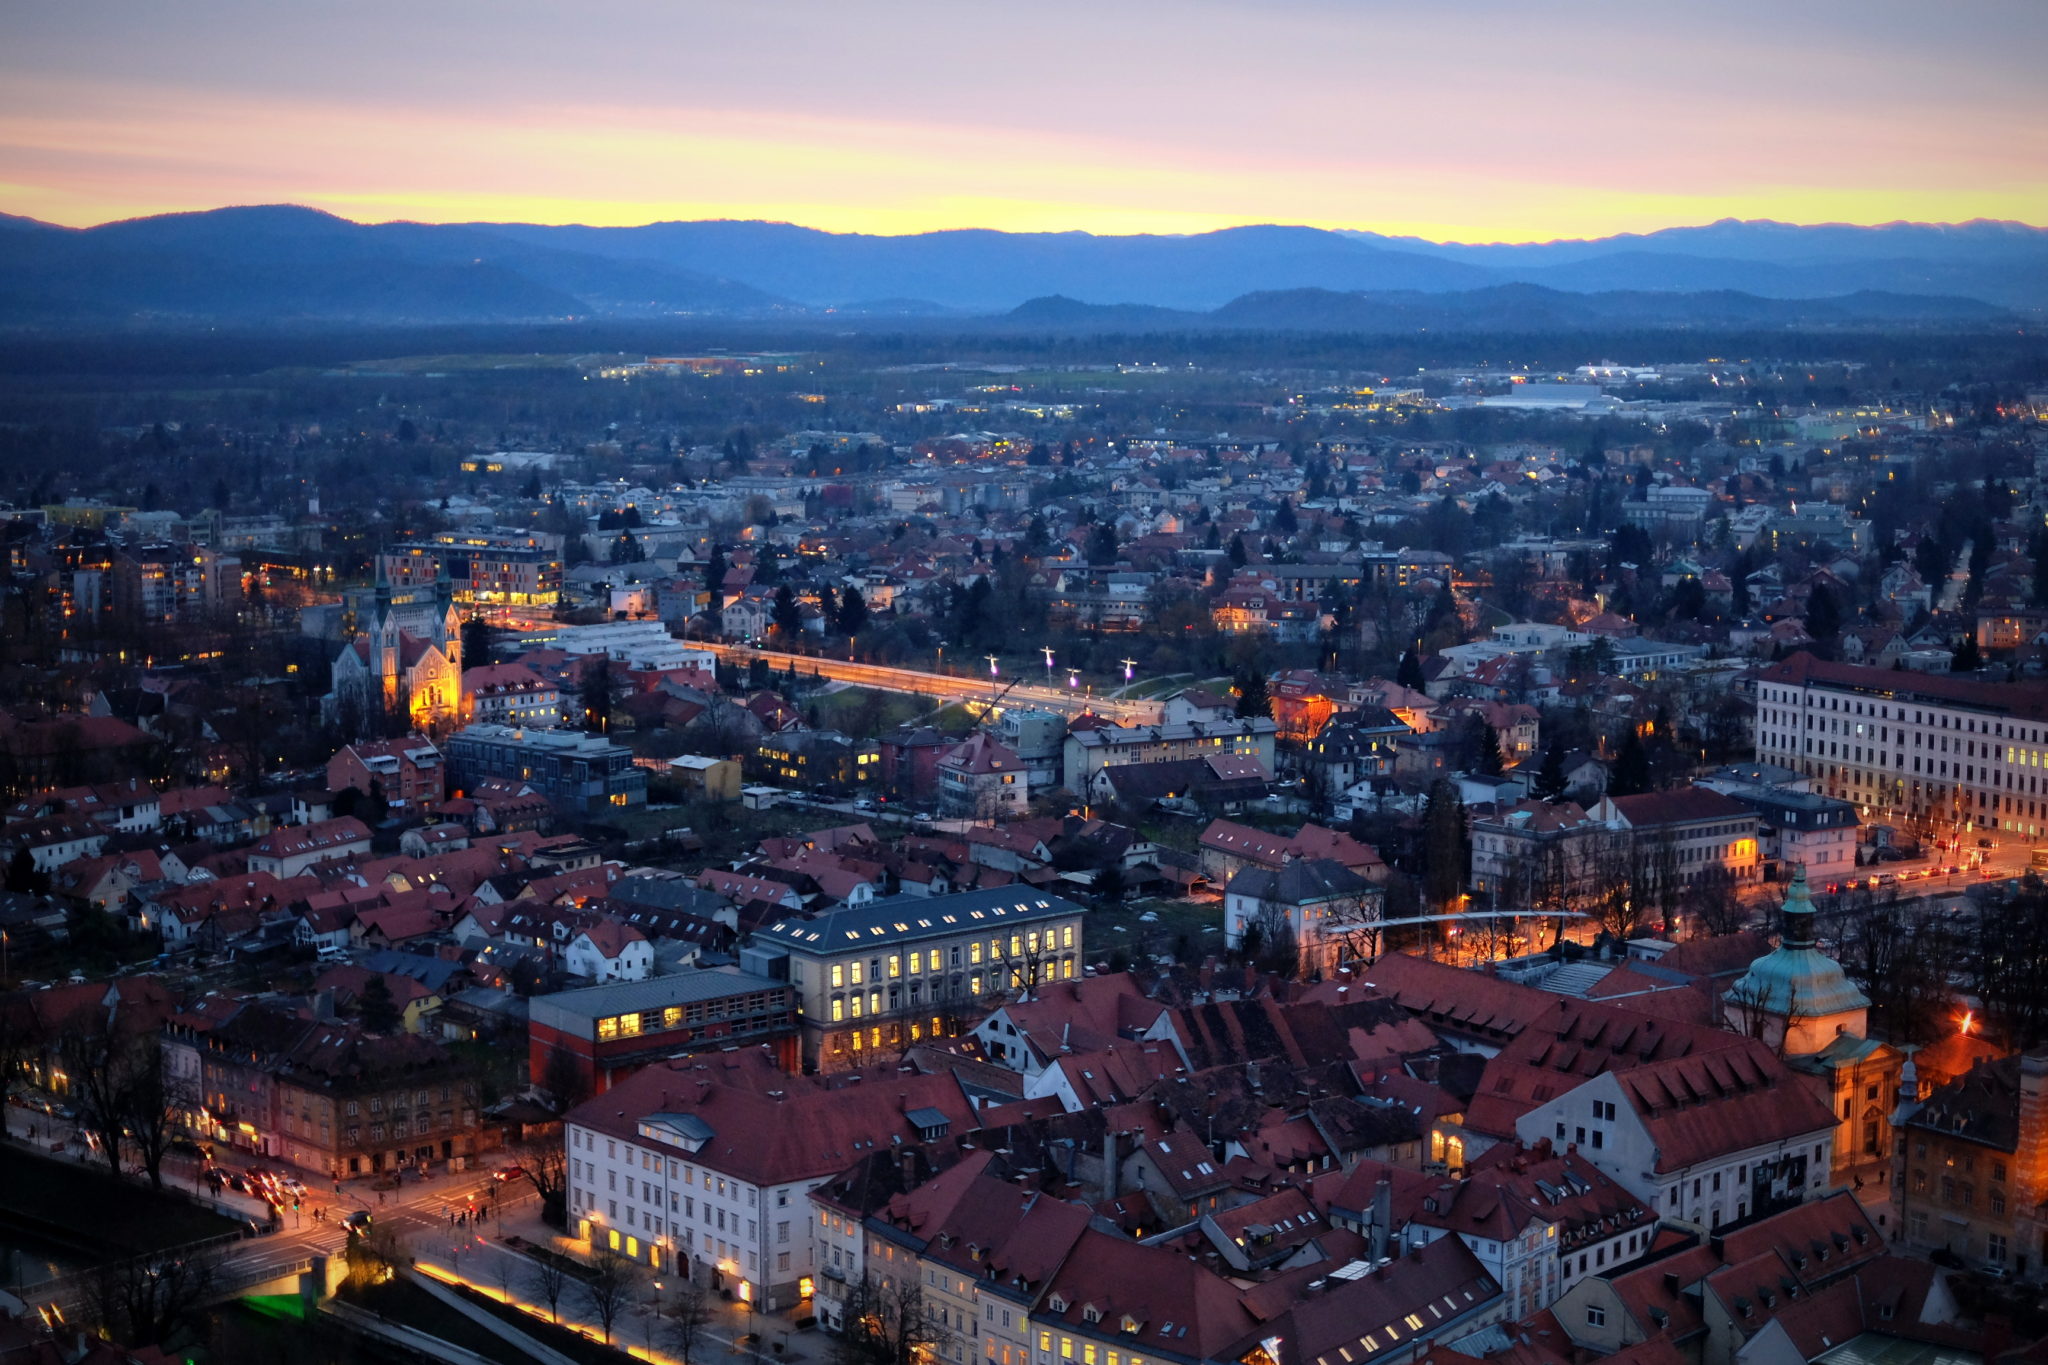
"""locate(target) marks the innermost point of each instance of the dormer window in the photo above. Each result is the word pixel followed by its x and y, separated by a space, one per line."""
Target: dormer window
pixel 1090 1313
pixel 1130 1324
pixel 1057 1303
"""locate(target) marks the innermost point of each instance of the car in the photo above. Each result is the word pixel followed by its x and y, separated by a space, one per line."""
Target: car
pixel 1953 869
pixel 291 1184
pixel 923 817
pixel 357 1223
pixel 509 1173
pixel 866 803
pixel 1983 843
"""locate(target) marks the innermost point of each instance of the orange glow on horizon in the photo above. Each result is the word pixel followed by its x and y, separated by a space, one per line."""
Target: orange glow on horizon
pixel 82 154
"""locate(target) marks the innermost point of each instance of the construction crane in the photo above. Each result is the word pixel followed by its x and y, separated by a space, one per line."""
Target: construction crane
pixel 997 700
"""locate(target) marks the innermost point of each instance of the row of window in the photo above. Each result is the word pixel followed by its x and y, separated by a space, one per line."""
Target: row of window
pixel 1940 720
pixel 859 972
pixel 851 1006
pixel 691 1015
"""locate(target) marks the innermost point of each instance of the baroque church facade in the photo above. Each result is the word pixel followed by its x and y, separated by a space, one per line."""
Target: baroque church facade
pixel 1799 1001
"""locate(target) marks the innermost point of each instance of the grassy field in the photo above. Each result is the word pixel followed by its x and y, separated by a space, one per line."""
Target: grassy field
pixel 953 719
pixel 1169 683
pixel 1123 929
pixel 864 712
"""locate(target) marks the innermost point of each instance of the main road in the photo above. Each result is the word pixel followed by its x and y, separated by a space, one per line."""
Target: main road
pixel 965 689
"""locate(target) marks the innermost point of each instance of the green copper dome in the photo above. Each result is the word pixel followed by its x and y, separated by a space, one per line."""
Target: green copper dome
pixel 1796 980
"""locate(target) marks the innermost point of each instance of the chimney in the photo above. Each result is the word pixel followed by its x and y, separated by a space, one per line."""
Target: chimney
pixel 1382 1216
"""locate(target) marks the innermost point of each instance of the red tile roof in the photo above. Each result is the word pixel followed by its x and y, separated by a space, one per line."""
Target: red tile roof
pixel 1699 1107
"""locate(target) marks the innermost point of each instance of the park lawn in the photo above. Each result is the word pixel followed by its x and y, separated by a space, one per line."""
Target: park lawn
pixel 848 708
pixel 953 719
pixel 1118 928
pixel 1154 687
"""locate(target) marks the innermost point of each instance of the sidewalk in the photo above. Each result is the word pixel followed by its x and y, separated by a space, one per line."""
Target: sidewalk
pixel 477 1257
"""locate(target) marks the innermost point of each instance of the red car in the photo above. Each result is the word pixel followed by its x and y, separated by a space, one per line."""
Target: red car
pixel 509 1173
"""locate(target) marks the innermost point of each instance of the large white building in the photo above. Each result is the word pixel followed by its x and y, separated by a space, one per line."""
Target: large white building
pixel 704 1165
pixel 877 976
pixel 641 645
pixel 1910 744
pixel 1704 1139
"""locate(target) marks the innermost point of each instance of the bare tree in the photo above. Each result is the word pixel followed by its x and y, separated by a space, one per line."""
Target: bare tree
pixel 610 1287
pixel 1767 1016
pixel 155 1298
pixel 689 1313
pixel 1712 903
pixel 99 1062
pixel 544 1159
pixel 377 1254
pixel 551 1278
pixel 888 1322
pixel 1622 879
pixel 564 1080
pixel 1350 930
pixel 2010 962
pixel 1023 961
pixel 1270 943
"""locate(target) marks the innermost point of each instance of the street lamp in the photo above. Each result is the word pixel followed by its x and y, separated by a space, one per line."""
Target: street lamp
pixel 1130 668
pixel 1047 651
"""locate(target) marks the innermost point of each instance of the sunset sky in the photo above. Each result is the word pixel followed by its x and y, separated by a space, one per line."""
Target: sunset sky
pixel 1465 120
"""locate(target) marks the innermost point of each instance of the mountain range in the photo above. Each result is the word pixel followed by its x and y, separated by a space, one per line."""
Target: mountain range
pixel 285 264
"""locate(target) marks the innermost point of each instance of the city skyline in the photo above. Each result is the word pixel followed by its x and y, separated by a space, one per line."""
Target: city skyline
pixel 1492 124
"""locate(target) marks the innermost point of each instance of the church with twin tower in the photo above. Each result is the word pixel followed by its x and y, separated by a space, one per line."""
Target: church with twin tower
pixel 405 659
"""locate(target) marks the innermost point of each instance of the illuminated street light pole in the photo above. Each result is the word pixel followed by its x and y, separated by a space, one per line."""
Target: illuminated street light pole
pixel 1130 669
pixel 1047 651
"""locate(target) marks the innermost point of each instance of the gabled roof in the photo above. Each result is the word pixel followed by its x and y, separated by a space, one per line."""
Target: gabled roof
pixel 1699 1107
pixel 1367 1315
pixel 904 919
pixel 1109 1285
pixel 771 1128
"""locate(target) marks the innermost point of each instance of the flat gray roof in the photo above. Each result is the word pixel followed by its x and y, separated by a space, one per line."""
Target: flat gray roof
pixel 569 1009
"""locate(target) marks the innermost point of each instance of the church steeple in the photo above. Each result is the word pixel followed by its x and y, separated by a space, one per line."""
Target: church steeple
pixel 1796 994
pixel 1795 916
